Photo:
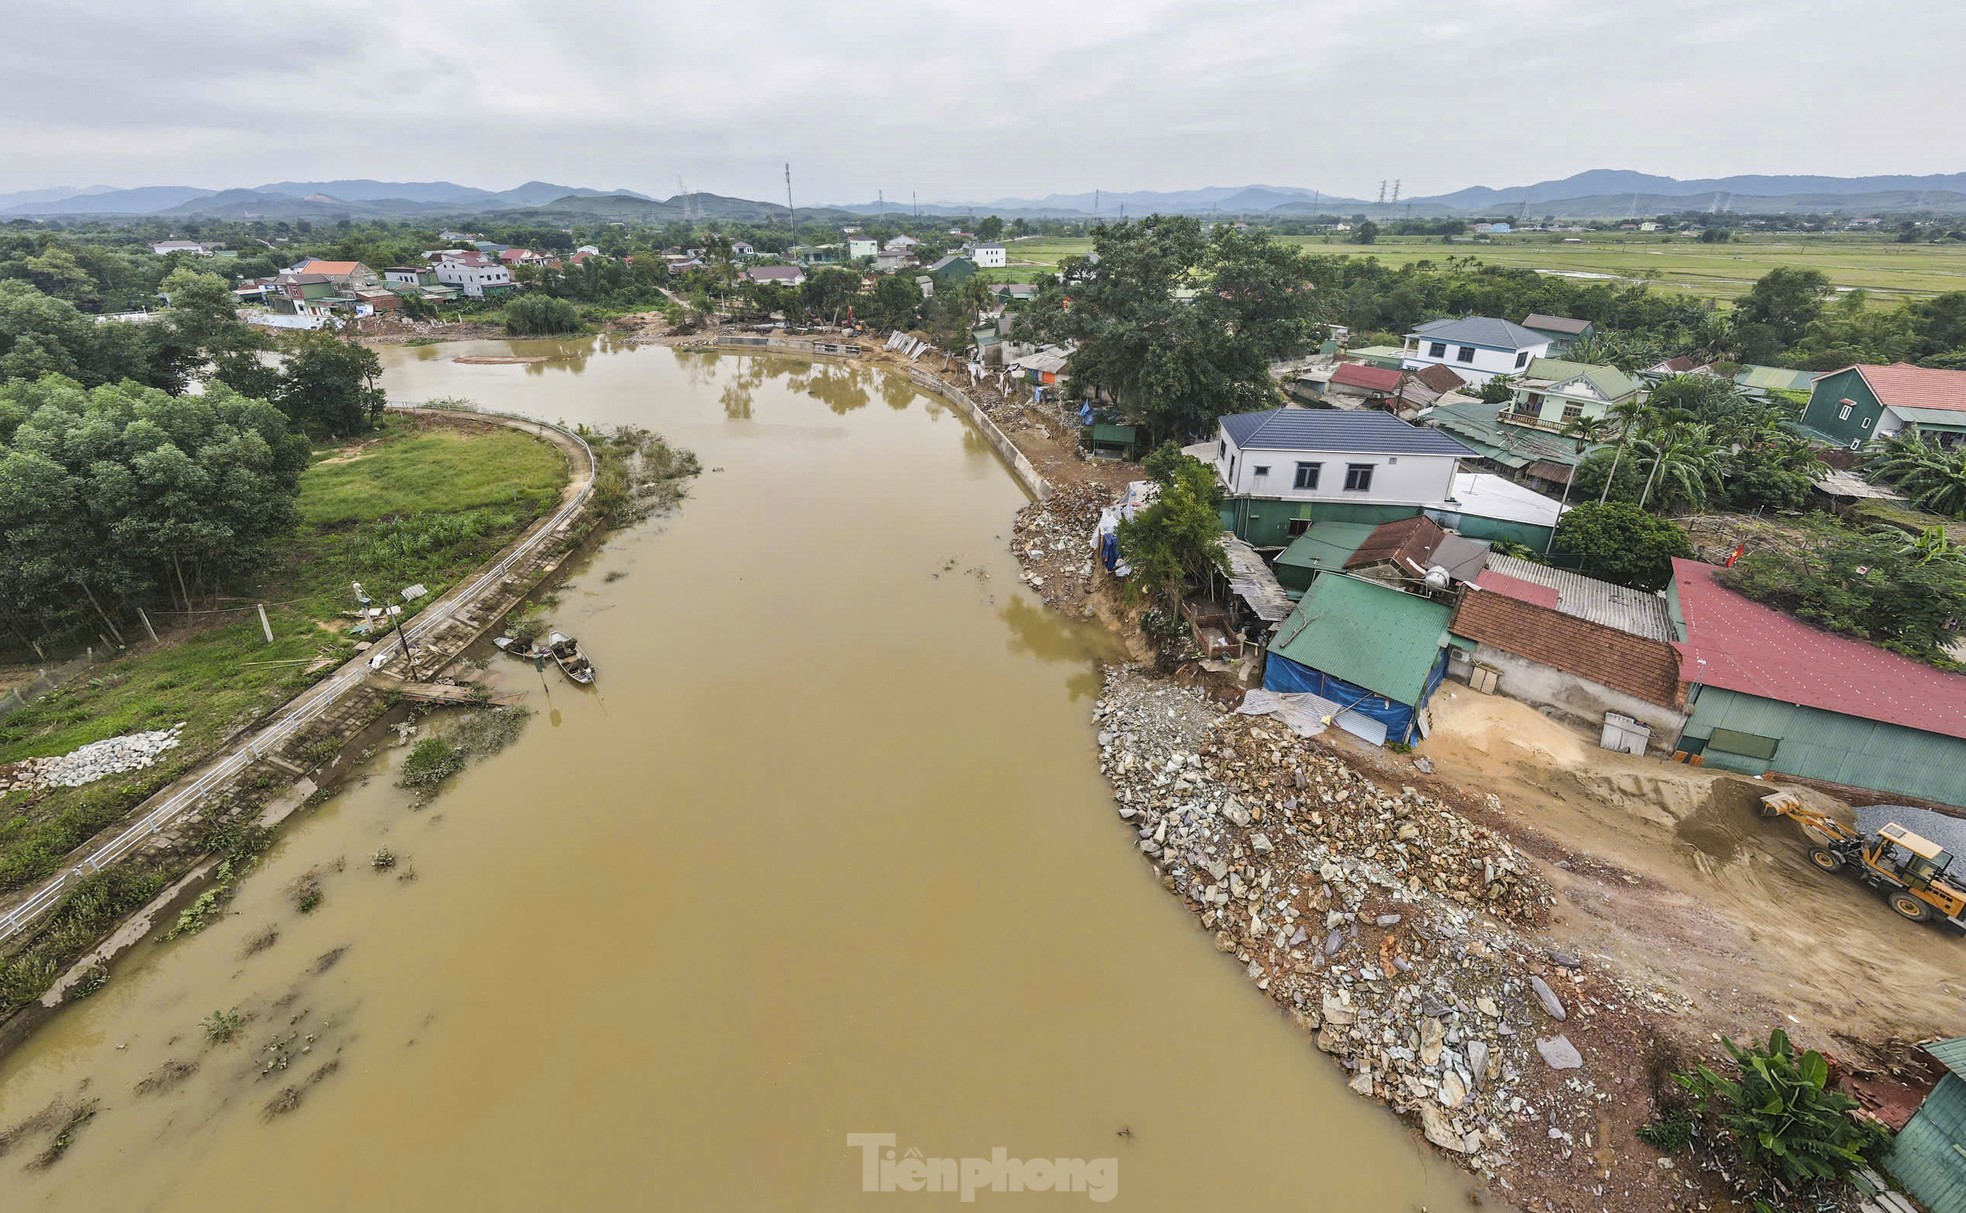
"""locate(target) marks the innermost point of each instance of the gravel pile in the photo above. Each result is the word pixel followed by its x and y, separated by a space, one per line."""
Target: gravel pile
pixel 1948 832
pixel 97 760
pixel 1386 923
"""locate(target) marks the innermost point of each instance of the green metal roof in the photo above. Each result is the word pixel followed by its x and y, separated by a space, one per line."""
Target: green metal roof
pixel 1929 419
pixel 1775 378
pixel 1326 545
pixel 1951 1054
pixel 1475 423
pixel 1369 634
pixel 1610 382
pixel 1929 1156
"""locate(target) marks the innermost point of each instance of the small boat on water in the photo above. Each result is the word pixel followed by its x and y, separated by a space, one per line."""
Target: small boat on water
pixel 573 663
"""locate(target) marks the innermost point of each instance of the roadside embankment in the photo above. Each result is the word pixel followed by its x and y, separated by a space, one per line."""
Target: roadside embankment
pixel 306 738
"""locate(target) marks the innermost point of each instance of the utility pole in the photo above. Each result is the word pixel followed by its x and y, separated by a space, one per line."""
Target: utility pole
pixel 1382 196
pixel 791 215
pixel 1395 194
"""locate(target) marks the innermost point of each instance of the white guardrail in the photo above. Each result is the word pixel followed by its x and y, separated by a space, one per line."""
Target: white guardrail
pixel 306 707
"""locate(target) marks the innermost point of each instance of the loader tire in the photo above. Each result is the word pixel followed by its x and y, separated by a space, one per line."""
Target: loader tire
pixel 1826 859
pixel 1910 907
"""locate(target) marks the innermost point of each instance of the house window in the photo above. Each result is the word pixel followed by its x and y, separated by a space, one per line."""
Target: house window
pixel 1522 359
pixel 1222 449
pixel 1296 526
pixel 1843 414
pixel 1572 412
pixel 1262 470
pixel 1866 423
pixel 1358 478
pixel 1437 350
pixel 1464 354
pixel 1307 475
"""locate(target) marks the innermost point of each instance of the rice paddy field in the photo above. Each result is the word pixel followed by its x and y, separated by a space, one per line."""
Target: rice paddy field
pixel 1890 272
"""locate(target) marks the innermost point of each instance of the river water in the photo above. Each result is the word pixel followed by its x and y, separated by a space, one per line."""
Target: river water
pixel 826 852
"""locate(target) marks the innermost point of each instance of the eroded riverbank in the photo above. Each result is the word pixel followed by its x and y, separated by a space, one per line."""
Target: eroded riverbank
pixel 824 852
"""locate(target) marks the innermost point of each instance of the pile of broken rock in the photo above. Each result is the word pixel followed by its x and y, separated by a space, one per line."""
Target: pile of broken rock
pixel 1053 542
pixel 97 760
pixel 1386 923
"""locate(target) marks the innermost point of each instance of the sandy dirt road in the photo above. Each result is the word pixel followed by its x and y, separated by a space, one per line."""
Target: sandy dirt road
pixel 1671 871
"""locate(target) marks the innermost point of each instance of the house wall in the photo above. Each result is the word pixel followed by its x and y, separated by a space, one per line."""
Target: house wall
pixel 1574 700
pixel 1495 530
pixel 1488 361
pixel 1826 402
pixel 1832 747
pixel 991 258
pixel 1396 479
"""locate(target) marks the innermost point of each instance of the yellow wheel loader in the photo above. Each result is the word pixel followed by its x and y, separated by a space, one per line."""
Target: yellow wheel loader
pixel 1911 872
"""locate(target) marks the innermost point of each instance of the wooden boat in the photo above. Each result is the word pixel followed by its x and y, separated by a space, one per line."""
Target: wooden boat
pixel 573 663
pixel 511 644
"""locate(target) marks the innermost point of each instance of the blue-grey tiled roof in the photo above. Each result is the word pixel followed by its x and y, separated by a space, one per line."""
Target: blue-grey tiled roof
pixel 1482 330
pixel 1365 431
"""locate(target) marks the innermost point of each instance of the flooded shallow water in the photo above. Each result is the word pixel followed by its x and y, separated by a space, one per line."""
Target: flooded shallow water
pixel 826 852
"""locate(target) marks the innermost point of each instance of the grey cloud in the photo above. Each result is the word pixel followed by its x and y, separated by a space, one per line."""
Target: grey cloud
pixel 960 99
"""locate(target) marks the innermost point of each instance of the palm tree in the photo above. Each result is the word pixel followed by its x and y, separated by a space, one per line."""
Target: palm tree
pixel 1630 417
pixel 1685 463
pixel 1586 432
pixel 1934 477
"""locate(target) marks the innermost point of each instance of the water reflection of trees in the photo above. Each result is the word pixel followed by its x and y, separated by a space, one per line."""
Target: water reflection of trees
pixel 569 355
pixel 896 391
pixel 1038 632
pixel 739 386
pixel 841 386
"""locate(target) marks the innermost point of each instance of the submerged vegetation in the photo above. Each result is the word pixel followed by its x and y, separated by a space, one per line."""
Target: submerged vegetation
pixel 638 473
pixel 478 734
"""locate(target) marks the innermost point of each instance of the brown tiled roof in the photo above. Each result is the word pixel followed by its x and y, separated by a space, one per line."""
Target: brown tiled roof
pixel 1545 469
pixel 1908 386
pixel 1407 542
pixel 1648 669
pixel 1439 378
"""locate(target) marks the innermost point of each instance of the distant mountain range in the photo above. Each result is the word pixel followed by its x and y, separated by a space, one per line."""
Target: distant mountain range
pixel 1597 194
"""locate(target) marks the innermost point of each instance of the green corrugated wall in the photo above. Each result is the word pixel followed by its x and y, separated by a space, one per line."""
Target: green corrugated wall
pixel 1835 748
pixel 1929 1157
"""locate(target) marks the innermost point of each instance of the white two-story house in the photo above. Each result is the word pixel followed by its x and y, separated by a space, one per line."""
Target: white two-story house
pixel 1477 348
pixel 1336 455
pixel 991 257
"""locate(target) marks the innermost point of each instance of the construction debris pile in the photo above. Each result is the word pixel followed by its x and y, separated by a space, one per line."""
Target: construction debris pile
pixel 1386 924
pixel 97 760
pixel 1053 542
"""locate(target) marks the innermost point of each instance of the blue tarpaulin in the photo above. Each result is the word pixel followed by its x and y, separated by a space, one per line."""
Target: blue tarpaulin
pixel 1283 675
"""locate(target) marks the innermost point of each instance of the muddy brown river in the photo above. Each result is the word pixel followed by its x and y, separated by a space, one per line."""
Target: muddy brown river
pixel 826 852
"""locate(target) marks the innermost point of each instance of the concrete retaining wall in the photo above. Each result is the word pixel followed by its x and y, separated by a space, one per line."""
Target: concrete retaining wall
pixel 1576 701
pixel 1020 466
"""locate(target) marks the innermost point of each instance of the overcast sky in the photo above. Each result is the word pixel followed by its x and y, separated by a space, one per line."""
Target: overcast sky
pixel 974 100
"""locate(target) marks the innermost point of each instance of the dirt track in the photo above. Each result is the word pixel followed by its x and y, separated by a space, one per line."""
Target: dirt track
pixel 1671 871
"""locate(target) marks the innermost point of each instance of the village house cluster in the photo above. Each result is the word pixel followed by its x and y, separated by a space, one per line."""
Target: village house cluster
pixel 1379 505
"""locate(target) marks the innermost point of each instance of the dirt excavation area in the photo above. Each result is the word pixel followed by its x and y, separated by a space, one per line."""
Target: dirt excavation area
pixel 1671 873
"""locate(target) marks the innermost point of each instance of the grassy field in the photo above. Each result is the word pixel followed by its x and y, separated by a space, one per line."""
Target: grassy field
pixel 1889 271
pixel 420 502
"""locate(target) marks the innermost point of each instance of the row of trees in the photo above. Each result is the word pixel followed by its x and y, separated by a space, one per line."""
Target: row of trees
pixel 123 495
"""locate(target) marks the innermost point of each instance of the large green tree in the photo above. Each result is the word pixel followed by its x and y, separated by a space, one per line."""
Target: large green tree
pixel 329 386
pixel 1175 325
pixel 1622 543
pixel 1777 310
